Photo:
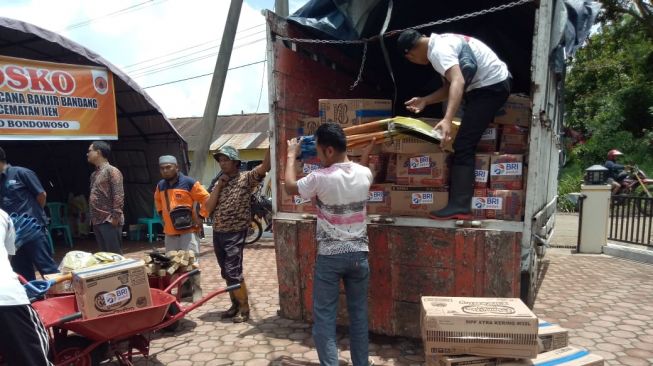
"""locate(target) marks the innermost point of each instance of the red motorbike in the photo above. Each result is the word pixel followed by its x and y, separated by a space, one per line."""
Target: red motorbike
pixel 636 183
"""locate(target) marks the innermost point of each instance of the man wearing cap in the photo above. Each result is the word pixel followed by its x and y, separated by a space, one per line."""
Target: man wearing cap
pixel 175 198
pixel 230 198
pixel 471 72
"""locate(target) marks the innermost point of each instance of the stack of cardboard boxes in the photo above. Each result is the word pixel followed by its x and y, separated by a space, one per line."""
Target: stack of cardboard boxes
pixel 411 175
pixel 493 332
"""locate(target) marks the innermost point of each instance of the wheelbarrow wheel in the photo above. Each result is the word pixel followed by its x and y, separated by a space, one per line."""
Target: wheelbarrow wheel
pixel 69 348
pixel 172 311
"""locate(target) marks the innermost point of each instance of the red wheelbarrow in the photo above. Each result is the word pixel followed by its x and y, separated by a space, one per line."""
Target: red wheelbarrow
pixel 75 341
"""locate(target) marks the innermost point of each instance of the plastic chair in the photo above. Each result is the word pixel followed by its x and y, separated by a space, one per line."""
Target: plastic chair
pixel 59 220
pixel 150 222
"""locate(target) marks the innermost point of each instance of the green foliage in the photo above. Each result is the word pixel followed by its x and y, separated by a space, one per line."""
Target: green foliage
pixel 570 181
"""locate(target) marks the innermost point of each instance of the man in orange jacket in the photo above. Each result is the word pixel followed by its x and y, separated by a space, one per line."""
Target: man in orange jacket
pixel 175 198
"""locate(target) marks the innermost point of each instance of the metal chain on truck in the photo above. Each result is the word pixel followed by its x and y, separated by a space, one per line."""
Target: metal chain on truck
pixel 365 41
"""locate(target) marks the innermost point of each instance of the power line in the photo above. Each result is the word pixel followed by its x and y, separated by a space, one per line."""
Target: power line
pixel 186 62
pixel 203 75
pixel 129 9
pixel 189 48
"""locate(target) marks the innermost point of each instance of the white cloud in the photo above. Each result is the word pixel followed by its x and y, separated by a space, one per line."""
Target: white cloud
pixel 159 29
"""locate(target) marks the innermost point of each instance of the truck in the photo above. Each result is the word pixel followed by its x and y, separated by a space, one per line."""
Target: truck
pixel 412 257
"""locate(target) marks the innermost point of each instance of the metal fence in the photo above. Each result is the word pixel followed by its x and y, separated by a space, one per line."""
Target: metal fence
pixel 631 220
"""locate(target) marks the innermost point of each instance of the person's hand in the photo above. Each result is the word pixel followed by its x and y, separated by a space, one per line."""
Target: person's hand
pixel 415 104
pixel 115 221
pixel 445 129
pixel 294 147
pixel 221 182
pixel 367 150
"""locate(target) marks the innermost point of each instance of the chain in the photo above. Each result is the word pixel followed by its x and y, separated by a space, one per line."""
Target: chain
pixel 393 32
pixel 360 72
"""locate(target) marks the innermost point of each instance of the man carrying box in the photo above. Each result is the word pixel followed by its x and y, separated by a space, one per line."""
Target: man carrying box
pixel 175 198
pixel 470 71
pixel 341 192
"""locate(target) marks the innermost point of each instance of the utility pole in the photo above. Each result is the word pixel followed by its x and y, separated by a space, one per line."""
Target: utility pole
pixel 215 92
pixel 281 8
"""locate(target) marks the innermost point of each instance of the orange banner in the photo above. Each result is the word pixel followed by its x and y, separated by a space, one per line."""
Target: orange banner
pixel 50 101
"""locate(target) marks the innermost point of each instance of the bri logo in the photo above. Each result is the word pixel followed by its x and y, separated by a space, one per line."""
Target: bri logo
pixel 506 169
pixel 375 196
pixel 422 198
pixel 480 176
pixel 487 203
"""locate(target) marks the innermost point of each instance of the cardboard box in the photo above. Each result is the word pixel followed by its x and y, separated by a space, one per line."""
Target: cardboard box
pixel 351 112
pixel 378 165
pixel 111 288
pixel 379 201
pixel 516 111
pixel 309 125
pixel 294 203
pixel 506 171
pixel 417 201
pixel 552 336
pixel 505 205
pixel 391 172
pixel 567 356
pixel 61 288
pixel 482 171
pixel 514 140
pixel 427 169
pixel 464 360
pixel 479 203
pixel 489 140
pixel 496 327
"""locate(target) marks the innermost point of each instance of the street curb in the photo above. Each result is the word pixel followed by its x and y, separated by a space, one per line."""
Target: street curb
pixel 627 252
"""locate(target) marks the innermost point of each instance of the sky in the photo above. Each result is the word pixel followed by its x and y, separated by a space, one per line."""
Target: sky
pixel 161 41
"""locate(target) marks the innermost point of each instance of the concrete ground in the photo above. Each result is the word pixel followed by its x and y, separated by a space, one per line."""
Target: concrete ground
pixel 605 302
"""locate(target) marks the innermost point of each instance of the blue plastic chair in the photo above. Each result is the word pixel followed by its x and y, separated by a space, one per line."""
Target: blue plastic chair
pixel 150 222
pixel 59 220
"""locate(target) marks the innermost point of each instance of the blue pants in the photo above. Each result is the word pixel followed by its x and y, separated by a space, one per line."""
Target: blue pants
pixel 354 270
pixel 34 253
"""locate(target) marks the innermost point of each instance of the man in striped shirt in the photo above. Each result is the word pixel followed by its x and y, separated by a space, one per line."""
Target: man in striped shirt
pixel 340 191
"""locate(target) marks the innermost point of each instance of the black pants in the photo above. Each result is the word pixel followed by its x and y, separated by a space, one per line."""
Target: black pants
pixel 229 251
pixel 109 237
pixel 35 253
pixel 480 107
pixel 23 340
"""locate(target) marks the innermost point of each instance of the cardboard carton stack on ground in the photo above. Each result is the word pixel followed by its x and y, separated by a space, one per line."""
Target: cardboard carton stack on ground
pixel 461 331
pixel 111 288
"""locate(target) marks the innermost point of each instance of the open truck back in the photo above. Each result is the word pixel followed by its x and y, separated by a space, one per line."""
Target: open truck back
pixel 412 257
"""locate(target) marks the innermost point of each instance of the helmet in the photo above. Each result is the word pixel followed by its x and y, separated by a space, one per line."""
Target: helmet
pixel 613 154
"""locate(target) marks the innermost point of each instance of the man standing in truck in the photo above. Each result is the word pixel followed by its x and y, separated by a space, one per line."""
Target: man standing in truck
pixel 472 72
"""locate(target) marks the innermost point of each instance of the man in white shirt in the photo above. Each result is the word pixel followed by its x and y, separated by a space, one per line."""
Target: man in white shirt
pixel 23 340
pixel 472 72
pixel 340 191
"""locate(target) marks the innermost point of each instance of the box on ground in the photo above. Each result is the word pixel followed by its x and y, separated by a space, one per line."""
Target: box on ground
pixel 552 336
pixel 351 112
pixel 464 360
pixel 295 203
pixel 504 205
pixel 482 171
pixel 516 111
pixel 498 327
pixel 417 201
pixel 567 356
pixel 379 201
pixel 111 288
pixel 506 171
pixel 489 140
pixel 427 169
pixel 514 140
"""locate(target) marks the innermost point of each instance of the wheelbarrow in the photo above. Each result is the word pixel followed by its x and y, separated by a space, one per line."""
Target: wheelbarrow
pixel 76 341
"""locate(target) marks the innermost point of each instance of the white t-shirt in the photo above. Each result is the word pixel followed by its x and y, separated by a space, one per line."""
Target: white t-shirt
pixel 443 53
pixel 341 192
pixel 11 291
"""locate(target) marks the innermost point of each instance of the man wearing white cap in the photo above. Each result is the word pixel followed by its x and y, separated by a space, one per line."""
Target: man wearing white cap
pixel 175 198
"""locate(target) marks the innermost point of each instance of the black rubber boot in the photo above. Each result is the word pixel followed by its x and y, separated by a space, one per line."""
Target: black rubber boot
pixel 461 191
pixel 233 310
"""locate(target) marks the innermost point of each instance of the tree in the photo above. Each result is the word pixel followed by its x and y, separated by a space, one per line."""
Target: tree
pixel 640 10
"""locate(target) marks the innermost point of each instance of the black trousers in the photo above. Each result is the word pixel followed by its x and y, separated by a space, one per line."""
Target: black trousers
pixel 481 105
pixel 23 340
pixel 229 251
pixel 108 237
